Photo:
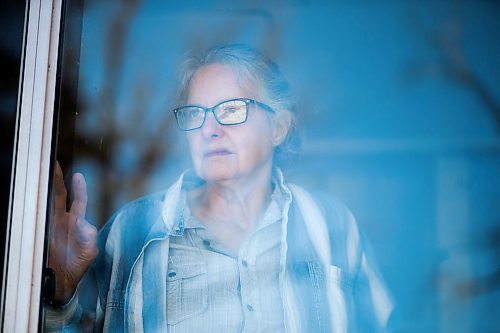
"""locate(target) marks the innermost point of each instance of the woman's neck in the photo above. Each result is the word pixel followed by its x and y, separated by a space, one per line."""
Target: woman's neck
pixel 240 203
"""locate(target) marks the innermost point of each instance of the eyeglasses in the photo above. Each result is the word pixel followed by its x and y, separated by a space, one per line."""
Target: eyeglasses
pixel 230 112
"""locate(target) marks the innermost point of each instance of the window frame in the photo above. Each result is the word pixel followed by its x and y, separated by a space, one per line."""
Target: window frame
pixel 24 247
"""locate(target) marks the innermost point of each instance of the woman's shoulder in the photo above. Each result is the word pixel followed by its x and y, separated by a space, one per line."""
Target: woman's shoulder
pixel 145 207
pixel 336 217
pixel 145 204
pixel 145 216
pixel 135 218
pixel 332 208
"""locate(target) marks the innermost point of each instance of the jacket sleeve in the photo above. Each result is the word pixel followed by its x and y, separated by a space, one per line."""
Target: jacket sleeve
pixel 79 314
pixel 63 318
pixel 372 306
pixel 372 300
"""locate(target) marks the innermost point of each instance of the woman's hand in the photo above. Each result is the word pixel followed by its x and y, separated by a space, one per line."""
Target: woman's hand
pixel 73 241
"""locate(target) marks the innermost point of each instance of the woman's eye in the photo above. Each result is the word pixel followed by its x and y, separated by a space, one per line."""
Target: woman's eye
pixel 196 113
pixel 230 109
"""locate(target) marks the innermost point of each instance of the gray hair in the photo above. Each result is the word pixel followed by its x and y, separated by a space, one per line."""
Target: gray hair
pixel 265 75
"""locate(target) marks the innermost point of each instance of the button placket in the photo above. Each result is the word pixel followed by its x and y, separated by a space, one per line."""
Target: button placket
pixel 248 281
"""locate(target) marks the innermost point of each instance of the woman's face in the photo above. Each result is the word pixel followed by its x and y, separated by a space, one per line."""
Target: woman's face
pixel 228 153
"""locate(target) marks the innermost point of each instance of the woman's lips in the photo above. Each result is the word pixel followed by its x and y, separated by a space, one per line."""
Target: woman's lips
pixel 217 152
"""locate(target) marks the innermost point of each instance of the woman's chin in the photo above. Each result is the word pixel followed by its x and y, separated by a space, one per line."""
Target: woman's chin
pixel 213 175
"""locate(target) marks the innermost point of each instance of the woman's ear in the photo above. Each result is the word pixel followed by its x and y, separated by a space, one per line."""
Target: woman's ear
pixel 281 126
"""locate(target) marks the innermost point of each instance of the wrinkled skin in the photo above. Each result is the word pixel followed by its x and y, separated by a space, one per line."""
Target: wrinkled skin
pixel 73 241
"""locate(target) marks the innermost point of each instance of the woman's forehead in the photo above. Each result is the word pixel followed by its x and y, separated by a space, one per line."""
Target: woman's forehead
pixel 214 83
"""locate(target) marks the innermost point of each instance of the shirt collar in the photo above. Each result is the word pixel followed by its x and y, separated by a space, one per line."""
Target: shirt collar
pixel 176 215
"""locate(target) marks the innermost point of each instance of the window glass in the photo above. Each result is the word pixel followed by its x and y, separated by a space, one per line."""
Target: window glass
pixel 11 43
pixel 398 106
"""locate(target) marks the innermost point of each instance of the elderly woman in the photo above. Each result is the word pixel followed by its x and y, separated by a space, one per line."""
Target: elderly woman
pixel 230 247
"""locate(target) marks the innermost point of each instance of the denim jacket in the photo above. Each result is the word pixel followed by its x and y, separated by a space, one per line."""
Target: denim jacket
pixel 346 295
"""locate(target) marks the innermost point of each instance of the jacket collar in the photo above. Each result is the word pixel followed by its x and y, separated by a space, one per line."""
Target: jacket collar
pixel 173 203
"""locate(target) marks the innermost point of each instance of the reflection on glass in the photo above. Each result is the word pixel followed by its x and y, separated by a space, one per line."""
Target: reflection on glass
pixel 397 122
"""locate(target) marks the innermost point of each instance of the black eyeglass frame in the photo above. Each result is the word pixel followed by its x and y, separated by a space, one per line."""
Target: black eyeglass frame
pixel 247 101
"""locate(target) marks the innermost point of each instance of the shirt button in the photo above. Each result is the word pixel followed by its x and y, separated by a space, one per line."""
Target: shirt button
pixel 244 263
pixel 249 307
pixel 206 242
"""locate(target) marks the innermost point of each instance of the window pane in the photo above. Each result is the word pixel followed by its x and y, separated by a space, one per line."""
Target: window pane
pixel 399 111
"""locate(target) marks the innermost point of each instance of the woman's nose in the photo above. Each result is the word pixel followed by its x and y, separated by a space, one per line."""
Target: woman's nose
pixel 211 128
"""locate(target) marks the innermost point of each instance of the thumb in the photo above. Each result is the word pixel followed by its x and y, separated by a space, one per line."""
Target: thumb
pixel 86 231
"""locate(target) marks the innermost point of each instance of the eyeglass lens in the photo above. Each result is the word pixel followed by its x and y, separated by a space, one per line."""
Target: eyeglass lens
pixel 227 113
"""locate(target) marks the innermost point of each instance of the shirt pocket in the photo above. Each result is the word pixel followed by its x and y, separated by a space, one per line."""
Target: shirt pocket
pixel 339 278
pixel 115 299
pixel 187 293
